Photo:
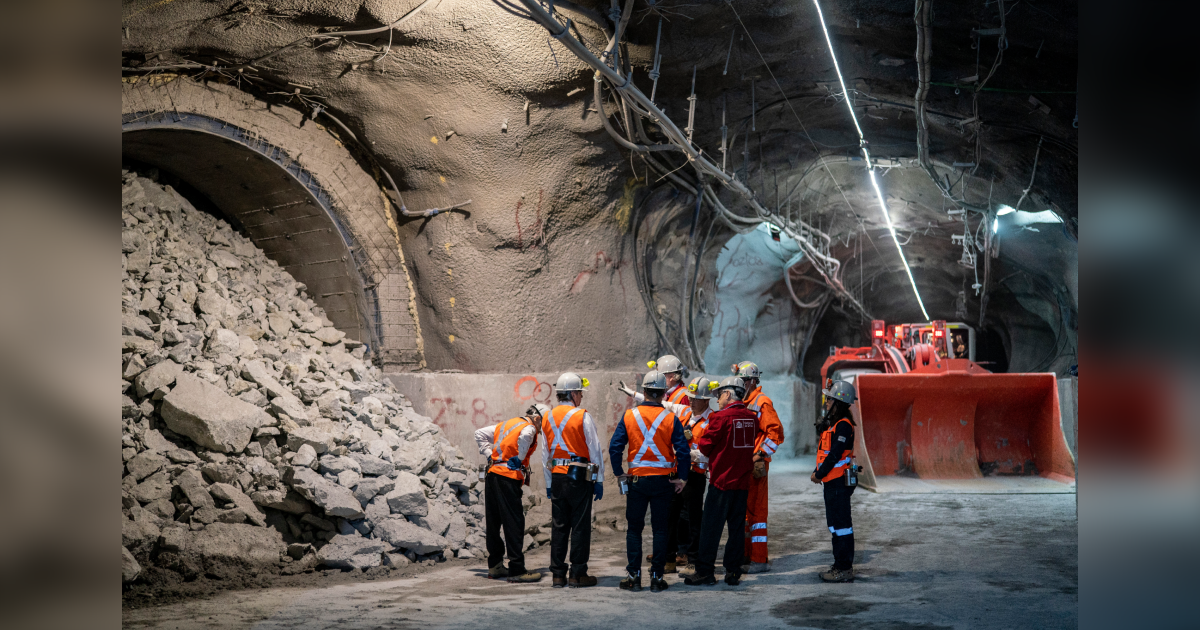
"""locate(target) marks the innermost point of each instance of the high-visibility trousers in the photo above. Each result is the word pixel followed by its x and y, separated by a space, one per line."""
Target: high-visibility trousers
pixel 756 519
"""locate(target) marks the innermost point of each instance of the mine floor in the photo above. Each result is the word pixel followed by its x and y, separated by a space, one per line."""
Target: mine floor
pixel 925 561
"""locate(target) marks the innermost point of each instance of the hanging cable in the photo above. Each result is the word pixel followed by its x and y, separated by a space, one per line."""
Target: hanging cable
pixel 870 167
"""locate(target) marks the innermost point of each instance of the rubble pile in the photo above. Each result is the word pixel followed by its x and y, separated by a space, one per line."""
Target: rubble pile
pixel 256 438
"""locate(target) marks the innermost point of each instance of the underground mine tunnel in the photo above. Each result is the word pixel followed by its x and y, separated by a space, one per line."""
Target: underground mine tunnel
pixel 354 234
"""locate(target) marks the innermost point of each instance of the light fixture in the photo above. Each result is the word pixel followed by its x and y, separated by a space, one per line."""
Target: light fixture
pixel 995 225
pixel 1003 210
pixel 867 157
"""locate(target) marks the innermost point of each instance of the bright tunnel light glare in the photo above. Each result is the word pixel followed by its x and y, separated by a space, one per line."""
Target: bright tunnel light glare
pixel 1004 210
pixel 995 225
pixel 867 157
pixel 891 228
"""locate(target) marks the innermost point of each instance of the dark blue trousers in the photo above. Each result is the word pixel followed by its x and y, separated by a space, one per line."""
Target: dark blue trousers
pixel 654 492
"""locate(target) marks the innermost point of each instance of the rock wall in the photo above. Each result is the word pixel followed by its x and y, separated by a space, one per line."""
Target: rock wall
pixel 255 438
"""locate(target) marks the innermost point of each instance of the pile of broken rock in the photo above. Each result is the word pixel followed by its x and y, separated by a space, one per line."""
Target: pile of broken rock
pixel 256 437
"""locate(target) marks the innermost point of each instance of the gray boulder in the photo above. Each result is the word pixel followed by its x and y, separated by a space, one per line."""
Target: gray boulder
pixel 283 400
pixel 369 488
pixel 456 533
pixel 438 519
pixel 321 441
pixel 226 550
pixel 408 496
pixel 223 341
pixel 305 457
pixel 372 466
pixel 161 375
pixel 402 534
pixel 284 500
pixel 192 485
pixel 229 494
pixel 145 465
pixel 210 417
pixel 352 552
pixel 130 569
pixel 153 488
pixel 154 440
pixel 335 465
pixel 329 336
pixel 334 499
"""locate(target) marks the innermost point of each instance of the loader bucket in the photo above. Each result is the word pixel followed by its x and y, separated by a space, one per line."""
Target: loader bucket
pixel 963 424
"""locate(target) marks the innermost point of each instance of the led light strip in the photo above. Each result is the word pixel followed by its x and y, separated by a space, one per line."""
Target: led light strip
pixel 862 141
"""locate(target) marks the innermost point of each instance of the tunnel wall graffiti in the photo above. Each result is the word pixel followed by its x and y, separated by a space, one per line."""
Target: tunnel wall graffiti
pixel 460 403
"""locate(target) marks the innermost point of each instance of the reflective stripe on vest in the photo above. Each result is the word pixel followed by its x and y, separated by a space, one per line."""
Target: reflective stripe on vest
pixel 558 442
pixel 824 448
pixel 692 422
pixel 671 395
pixel 500 437
pixel 648 442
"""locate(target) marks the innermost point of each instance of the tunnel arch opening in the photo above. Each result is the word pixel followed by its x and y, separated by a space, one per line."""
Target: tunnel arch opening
pixel 294 190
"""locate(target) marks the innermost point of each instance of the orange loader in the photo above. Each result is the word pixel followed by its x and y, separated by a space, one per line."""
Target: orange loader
pixel 927 410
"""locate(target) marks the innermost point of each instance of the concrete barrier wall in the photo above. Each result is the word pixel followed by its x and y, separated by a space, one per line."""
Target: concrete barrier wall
pixel 460 403
pixel 803 434
pixel 1068 406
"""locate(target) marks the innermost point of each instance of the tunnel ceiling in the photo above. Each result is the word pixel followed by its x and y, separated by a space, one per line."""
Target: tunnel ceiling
pixel 470 100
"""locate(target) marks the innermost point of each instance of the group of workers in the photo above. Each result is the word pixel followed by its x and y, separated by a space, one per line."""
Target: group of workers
pixel 699 471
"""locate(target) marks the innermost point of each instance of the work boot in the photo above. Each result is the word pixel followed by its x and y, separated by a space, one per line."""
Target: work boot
pixel 757 567
pixel 498 572
pixel 632 582
pixel 687 570
pixel 525 578
pixel 733 579
pixel 706 580
pixel 838 575
pixel 657 583
pixel 581 581
pixel 669 567
pixel 559 581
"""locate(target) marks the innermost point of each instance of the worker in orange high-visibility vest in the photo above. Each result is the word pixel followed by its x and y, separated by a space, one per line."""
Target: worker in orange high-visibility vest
pixel 675 372
pixel 687 508
pixel 658 461
pixel 573 461
pixel 838 473
pixel 770 436
pixel 508 446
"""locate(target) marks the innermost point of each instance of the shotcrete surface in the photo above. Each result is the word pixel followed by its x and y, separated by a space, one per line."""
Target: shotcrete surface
pixel 924 561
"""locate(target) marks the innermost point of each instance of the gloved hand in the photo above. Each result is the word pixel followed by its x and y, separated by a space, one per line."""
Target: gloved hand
pixel 514 463
pixel 679 484
pixel 548 493
pixel 597 491
pixel 625 388
pixel 760 470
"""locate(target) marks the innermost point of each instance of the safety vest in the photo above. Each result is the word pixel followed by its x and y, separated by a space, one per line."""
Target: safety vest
pixel 563 430
pixel 504 447
pixel 757 401
pixel 677 395
pixel 827 445
pixel 698 424
pixel 651 451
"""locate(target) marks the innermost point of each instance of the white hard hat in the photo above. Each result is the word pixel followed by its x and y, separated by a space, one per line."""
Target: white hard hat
pixel 570 382
pixel 667 363
pixel 732 382
pixel 654 380
pixel 700 388
pixel 746 369
pixel 537 409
